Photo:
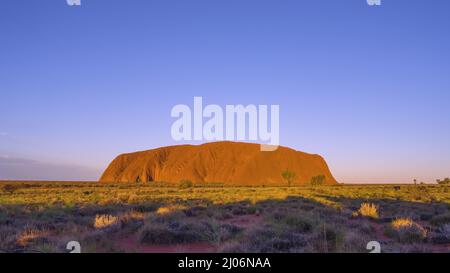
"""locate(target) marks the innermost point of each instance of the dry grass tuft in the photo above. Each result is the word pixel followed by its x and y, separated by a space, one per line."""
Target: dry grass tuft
pixel 133 216
pixel 406 230
pixel 369 210
pixel 401 223
pixel 170 209
pixel 105 220
pixel 31 233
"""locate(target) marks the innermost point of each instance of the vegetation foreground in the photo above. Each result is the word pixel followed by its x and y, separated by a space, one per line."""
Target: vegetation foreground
pixel 44 217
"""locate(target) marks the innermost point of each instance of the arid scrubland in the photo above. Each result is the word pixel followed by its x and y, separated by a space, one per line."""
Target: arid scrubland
pixel 44 217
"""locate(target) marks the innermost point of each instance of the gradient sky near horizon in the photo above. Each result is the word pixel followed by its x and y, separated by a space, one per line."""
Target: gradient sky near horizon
pixel 366 87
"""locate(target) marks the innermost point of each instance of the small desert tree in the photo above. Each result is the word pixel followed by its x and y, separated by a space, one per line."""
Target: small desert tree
pixel 318 180
pixel 446 181
pixel 288 176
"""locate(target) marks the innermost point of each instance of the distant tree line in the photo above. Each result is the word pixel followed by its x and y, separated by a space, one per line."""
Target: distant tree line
pixel 446 181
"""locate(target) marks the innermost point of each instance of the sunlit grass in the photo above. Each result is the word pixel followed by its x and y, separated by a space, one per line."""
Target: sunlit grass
pixel 369 210
pixel 406 230
pixel 402 223
pixel 169 209
pixel 249 219
pixel 72 194
pixel 104 221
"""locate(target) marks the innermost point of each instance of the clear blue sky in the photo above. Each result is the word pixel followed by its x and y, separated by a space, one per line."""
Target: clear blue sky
pixel 366 87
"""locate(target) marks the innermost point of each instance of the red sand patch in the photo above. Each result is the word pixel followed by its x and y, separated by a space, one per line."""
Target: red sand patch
pixel 131 244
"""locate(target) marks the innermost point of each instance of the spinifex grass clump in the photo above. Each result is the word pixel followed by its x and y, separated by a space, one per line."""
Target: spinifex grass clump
pixel 31 233
pixel 105 221
pixel 406 230
pixel 368 210
pixel 172 209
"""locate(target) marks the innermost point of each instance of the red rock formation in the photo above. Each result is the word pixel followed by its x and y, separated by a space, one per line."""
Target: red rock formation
pixel 229 163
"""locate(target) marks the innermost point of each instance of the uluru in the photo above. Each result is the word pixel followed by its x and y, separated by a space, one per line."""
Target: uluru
pixel 230 163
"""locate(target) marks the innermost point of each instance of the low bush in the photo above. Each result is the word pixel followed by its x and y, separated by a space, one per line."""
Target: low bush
pixel 441 220
pixel 442 235
pixel 177 233
pixel 228 232
pixel 297 223
pixel 185 184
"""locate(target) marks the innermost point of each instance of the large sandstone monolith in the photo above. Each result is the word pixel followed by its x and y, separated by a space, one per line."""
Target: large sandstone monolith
pixel 230 163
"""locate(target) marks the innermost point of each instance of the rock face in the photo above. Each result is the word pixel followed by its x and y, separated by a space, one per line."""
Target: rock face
pixel 230 163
